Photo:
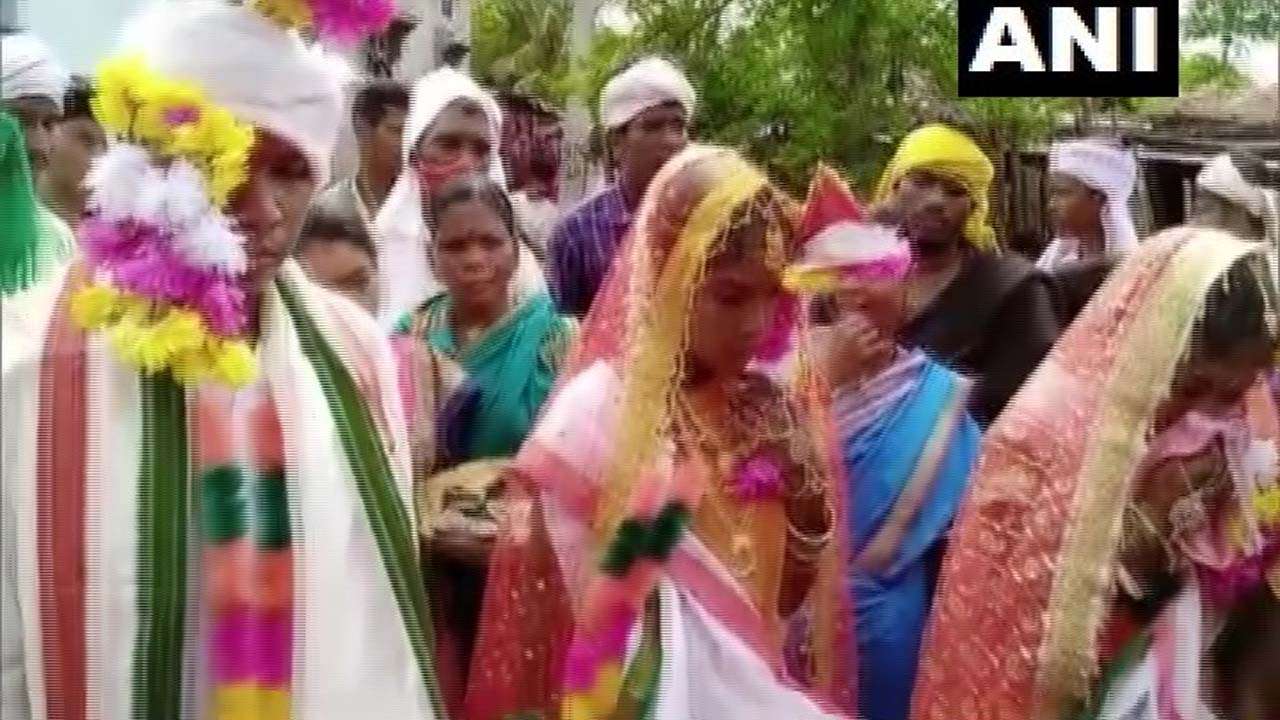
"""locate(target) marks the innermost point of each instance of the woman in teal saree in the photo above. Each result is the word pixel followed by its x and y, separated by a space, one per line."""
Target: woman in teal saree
pixel 511 347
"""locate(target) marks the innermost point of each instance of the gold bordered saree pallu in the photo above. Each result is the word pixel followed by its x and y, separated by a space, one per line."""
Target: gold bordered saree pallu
pixel 149 574
pixel 1028 576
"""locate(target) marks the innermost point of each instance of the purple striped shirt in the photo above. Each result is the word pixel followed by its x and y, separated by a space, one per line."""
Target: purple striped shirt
pixel 582 248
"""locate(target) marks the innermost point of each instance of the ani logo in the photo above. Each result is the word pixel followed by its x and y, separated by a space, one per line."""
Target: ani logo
pixel 1106 48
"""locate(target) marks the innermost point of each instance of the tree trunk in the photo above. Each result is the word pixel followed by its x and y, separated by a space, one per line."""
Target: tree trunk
pixel 577 169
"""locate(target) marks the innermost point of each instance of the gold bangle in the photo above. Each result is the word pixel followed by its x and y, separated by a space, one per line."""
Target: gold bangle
pixel 810 544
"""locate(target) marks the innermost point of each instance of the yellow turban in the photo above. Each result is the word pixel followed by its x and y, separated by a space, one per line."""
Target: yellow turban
pixel 947 152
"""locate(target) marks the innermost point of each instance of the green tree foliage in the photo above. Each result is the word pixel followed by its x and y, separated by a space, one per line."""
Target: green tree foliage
pixel 1232 21
pixel 843 79
pixel 1208 70
pixel 521 46
pixel 791 81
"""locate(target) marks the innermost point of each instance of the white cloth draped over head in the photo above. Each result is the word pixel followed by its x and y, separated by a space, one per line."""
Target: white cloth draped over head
pixel 1222 178
pixel 1109 169
pixel 648 83
pixel 249 65
pixel 28 69
pixel 401 231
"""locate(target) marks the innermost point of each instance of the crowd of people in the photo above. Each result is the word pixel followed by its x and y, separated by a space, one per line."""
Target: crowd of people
pixel 420 443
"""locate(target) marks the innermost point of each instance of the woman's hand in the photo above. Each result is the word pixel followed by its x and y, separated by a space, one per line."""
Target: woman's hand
pixel 1178 478
pixel 856 351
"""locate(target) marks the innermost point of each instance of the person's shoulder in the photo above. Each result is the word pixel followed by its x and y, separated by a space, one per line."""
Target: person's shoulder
pixel 567 325
pixel 1008 271
pixel 336 311
pixel 423 314
pixel 1005 262
pixel 25 318
pixel 599 203
pixel 558 341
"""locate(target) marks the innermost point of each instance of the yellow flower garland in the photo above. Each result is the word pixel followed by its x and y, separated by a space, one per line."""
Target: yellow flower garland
pixel 153 337
pixel 289 13
pixel 174 119
pixel 1266 504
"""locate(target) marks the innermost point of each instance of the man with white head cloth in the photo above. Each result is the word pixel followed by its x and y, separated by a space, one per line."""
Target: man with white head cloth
pixel 1091 182
pixel 205 469
pixel 645 110
pixel 1233 194
pixel 32 85
pixel 453 128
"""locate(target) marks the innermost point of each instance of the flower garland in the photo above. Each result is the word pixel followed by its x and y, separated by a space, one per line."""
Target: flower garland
pixel 758 478
pixel 166 258
pixel 343 21
pixel 1252 564
pixel 173 119
pixel 628 571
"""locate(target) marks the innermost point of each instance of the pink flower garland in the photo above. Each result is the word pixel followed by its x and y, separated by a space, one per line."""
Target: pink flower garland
pixel 758 477
pixel 1225 586
pixel 348 21
pixel 889 267
pixel 141 259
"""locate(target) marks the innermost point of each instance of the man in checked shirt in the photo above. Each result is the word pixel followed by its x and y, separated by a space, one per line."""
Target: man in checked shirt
pixel 645 110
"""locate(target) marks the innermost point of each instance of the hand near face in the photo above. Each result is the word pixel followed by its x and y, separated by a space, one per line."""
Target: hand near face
pixel 856 350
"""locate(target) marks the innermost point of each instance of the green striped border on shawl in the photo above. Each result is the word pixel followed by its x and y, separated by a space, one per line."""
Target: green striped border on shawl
pixel 387 515
pixel 163 517
pixel 639 695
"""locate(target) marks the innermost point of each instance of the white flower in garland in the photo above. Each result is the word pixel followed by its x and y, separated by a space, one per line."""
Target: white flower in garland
pixel 1260 465
pixel 126 186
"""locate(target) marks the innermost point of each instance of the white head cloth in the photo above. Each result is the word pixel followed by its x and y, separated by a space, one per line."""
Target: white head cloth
pixel 245 63
pixel 27 69
pixel 1222 178
pixel 648 83
pixel 401 232
pixel 1110 170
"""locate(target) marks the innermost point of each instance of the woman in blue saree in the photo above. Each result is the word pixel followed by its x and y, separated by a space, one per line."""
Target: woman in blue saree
pixel 906 436
pixel 909 446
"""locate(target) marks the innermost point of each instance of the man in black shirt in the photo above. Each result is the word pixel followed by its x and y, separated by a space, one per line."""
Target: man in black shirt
pixel 985 314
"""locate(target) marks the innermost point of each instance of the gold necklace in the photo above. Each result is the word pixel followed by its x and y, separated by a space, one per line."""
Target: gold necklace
pixel 737 519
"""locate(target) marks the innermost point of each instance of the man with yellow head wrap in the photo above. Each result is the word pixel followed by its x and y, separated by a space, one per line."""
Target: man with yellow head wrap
pixel 985 314
pixel 949 153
